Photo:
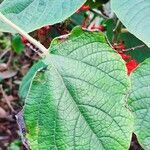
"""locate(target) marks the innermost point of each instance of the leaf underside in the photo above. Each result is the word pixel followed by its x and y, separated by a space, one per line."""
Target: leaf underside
pixel 33 14
pixel 134 14
pixel 139 101
pixel 79 101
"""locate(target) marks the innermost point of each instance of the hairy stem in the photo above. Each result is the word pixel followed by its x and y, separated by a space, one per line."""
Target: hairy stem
pixel 133 48
pixel 26 35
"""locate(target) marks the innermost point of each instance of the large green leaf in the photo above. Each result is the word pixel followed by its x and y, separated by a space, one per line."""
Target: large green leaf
pixel 139 101
pixel 79 102
pixel 134 14
pixel 33 14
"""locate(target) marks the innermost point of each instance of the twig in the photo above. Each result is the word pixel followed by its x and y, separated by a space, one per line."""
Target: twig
pixel 109 42
pixel 117 26
pixel 10 58
pixel 2 138
pixel 6 98
pixel 4 53
pixel 116 30
pixel 124 30
pixel 133 48
pixel 26 35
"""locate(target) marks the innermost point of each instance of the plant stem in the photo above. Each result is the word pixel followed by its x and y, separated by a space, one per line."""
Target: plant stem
pixel 26 35
pixel 6 99
pixel 133 48
pixel 116 31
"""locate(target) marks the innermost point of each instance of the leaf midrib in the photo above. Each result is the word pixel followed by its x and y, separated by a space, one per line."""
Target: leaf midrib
pixel 55 68
pixel 76 104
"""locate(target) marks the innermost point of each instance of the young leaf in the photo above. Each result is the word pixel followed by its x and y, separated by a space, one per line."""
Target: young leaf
pixel 134 14
pixel 79 101
pixel 17 44
pixel 139 101
pixel 33 14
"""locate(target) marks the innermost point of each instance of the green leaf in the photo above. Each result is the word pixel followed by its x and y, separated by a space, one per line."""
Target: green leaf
pixel 110 25
pixel 77 18
pixel 93 4
pixel 139 101
pixel 96 3
pixel 17 44
pixel 134 14
pixel 79 101
pixel 33 14
pixel 15 145
pixel 27 80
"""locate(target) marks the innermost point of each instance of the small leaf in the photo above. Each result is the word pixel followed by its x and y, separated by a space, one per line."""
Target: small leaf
pixel 134 14
pixel 78 102
pixel 33 14
pixel 17 44
pixel 139 101
pixel 26 82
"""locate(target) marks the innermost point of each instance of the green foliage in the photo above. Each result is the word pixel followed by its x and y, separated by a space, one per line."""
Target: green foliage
pixel 69 105
pixel 139 101
pixel 140 54
pixel 4 41
pixel 77 19
pixel 33 14
pixel 15 145
pixel 110 24
pixel 93 4
pixel 26 82
pixel 96 3
pixel 17 44
pixel 130 41
pixel 134 14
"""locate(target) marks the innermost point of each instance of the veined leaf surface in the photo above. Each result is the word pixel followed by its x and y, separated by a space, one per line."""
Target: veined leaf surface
pixel 33 14
pixel 139 102
pixel 134 14
pixel 79 102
